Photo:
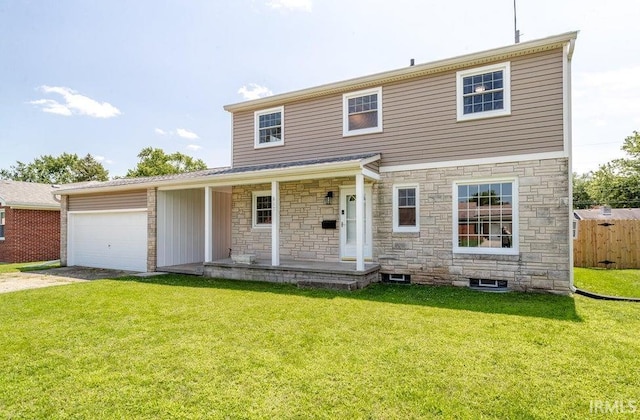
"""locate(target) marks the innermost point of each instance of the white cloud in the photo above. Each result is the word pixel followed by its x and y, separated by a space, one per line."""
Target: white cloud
pixel 75 104
pixel 254 91
pixel 52 107
pixel 103 159
pixel 186 134
pixel 304 5
pixel 194 147
pixel 160 132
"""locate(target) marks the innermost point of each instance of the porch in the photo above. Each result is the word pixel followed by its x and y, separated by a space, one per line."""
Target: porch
pixel 311 274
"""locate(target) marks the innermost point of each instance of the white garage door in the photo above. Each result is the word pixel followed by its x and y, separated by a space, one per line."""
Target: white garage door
pixel 116 240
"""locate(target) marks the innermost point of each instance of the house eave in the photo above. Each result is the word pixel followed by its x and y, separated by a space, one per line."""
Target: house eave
pixel 29 206
pixel 455 63
pixel 311 171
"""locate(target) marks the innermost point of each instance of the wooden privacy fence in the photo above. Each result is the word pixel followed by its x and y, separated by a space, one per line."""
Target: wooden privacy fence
pixel 607 243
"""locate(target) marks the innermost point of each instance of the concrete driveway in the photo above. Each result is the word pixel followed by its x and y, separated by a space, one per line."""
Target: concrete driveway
pixel 11 282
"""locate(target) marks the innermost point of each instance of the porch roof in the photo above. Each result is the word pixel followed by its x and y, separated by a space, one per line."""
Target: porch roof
pixel 228 176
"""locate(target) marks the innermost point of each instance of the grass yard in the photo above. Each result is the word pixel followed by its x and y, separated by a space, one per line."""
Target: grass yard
pixel 186 347
pixel 624 283
pixel 16 267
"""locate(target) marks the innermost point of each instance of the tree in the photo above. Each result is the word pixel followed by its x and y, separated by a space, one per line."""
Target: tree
pixel 154 162
pixel 617 183
pixel 62 169
pixel 581 197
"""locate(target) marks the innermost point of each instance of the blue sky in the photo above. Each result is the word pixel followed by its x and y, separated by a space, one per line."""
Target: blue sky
pixel 112 77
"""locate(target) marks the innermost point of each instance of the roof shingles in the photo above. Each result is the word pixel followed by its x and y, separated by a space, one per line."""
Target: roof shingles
pixel 27 194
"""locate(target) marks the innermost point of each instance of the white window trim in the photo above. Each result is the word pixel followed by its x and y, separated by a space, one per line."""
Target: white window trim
pixel 345 112
pixel 254 209
pixel 515 218
pixel 396 212
pixel 3 216
pixel 506 68
pixel 256 128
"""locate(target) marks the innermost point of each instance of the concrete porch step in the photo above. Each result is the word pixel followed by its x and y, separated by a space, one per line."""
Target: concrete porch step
pixel 195 269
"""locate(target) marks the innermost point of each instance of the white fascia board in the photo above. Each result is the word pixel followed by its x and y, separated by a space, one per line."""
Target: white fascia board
pixel 480 161
pixel 262 178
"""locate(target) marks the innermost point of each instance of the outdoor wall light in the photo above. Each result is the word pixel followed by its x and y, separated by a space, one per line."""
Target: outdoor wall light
pixel 328 197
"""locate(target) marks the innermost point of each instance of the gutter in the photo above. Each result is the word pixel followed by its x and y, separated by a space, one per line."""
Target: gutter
pixel 260 176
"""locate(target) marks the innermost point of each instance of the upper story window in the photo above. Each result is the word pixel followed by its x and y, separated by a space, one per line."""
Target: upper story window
pixel 485 217
pixel 2 224
pixel 362 112
pixel 406 208
pixel 269 125
pixel 484 92
pixel 261 209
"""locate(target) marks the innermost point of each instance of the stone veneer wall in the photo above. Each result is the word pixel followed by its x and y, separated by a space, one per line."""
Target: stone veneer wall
pixel 152 229
pixel 543 262
pixel 302 211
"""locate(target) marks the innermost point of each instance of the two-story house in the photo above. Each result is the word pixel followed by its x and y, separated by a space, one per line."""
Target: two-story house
pixel 450 172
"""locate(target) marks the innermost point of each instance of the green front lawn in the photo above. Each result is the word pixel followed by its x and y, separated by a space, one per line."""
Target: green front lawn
pixel 625 283
pixel 186 347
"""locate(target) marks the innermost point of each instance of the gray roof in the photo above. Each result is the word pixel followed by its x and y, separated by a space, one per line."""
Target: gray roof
pixel 616 214
pixel 213 172
pixel 27 194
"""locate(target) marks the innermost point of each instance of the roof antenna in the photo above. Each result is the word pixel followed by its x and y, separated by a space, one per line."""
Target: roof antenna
pixel 515 24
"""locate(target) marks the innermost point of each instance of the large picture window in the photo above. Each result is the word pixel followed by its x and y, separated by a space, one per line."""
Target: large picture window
pixel 269 127
pixel 484 92
pixel 406 204
pixel 362 112
pixel 485 217
pixel 261 209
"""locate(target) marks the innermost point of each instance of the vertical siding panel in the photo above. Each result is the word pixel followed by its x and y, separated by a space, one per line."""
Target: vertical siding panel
pixel 181 227
pixel 222 224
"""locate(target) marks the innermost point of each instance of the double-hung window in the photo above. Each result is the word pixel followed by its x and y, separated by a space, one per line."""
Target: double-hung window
pixel 362 112
pixel 261 209
pixel 486 217
pixel 2 223
pixel 269 127
pixel 406 208
pixel 484 92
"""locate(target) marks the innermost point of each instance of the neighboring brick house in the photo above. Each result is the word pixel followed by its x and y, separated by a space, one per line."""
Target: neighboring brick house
pixel 450 172
pixel 29 222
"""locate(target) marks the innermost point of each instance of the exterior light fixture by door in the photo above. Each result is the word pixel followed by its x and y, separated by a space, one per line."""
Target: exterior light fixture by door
pixel 328 197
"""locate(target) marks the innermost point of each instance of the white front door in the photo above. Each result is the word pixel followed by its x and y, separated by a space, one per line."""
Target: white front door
pixel 348 223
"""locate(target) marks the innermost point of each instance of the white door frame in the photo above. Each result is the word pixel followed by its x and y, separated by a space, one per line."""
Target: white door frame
pixel 349 252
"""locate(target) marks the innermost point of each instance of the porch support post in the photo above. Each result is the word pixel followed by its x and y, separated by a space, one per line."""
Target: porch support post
pixel 275 223
pixel 360 222
pixel 208 216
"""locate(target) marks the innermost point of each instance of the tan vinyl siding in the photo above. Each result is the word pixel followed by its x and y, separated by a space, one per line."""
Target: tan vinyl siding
pixel 114 201
pixel 420 123
pixel 373 166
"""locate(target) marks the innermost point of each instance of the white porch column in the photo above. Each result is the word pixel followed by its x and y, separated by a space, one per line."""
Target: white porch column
pixel 275 223
pixel 360 222
pixel 208 216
